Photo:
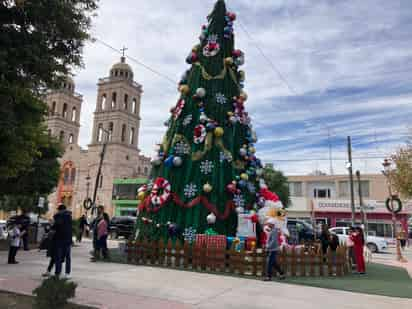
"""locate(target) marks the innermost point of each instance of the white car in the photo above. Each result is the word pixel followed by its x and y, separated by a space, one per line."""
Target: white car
pixel 374 243
pixel 3 230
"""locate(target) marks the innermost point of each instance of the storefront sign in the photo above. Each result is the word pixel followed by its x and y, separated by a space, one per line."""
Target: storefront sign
pixel 371 206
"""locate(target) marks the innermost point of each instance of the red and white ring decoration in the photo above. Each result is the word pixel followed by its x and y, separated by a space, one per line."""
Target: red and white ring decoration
pixel 161 192
pixel 179 108
pixel 199 134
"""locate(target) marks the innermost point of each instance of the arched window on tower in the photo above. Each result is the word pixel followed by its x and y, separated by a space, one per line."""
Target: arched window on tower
pixel 123 133
pixel 125 102
pixel 131 137
pixel 53 109
pixel 134 106
pixel 114 97
pixel 61 136
pixel 66 177
pixel 71 139
pixel 64 113
pixel 99 137
pixel 103 102
pixel 73 175
pixel 110 131
pixel 74 114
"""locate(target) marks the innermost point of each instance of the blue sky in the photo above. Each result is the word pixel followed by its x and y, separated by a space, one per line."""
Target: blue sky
pixel 348 64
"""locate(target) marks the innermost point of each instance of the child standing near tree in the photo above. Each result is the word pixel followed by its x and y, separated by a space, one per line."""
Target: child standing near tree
pixel 14 236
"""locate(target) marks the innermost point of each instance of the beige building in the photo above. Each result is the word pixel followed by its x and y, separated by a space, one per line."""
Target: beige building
pixel 326 199
pixel 116 122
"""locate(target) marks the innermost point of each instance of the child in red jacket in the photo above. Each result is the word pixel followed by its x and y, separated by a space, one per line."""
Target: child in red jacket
pixel 359 243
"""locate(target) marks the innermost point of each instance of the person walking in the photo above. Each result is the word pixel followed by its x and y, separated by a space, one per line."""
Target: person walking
pixel 273 248
pixel 349 245
pixel 14 236
pixel 324 240
pixel 24 221
pixel 358 244
pixel 49 243
pixel 83 225
pixel 63 240
pixel 102 234
pixel 402 237
pixel 94 228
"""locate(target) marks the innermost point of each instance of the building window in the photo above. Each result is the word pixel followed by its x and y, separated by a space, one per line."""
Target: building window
pixel 121 73
pixel 61 136
pixel 74 114
pixel 321 193
pixel 103 102
pixel 139 170
pixel 134 106
pixel 114 97
pixel 73 176
pixel 146 171
pixel 110 131
pixel 344 188
pixel 131 137
pixel 100 133
pixel 64 110
pixel 53 109
pixel 101 181
pixel 295 189
pixel 125 102
pixel 66 177
pixel 71 138
pixel 49 132
pixel 123 133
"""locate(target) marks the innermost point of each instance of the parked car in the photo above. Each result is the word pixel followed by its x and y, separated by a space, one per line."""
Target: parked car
pixel 300 231
pixel 122 226
pixel 3 230
pixel 374 243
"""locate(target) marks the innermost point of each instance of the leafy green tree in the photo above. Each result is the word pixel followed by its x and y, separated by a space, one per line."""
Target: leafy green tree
pixel 401 176
pixel 277 182
pixel 23 191
pixel 40 42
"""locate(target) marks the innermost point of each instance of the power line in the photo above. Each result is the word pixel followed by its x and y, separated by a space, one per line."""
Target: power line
pixel 326 159
pixel 164 76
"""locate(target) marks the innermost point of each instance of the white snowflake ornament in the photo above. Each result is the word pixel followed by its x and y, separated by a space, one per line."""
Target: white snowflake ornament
pixel 181 148
pixel 190 190
pixel 220 98
pixel 206 167
pixel 239 201
pixel 187 120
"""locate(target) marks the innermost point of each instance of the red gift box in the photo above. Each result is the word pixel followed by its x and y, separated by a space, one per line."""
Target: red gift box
pixel 249 242
pixel 210 242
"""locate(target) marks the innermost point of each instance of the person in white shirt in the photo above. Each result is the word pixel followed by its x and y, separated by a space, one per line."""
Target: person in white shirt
pixel 15 235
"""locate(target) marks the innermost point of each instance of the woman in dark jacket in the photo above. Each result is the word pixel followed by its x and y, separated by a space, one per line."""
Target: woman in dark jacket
pixel 324 239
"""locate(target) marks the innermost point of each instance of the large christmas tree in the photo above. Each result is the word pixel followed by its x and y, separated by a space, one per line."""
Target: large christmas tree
pixel 206 164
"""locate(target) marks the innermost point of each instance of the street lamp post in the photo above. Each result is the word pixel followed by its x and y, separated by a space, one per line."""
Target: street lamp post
pixel 387 172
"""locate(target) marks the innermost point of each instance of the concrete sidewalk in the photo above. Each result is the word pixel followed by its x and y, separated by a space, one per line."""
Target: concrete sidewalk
pixel 117 286
pixel 93 297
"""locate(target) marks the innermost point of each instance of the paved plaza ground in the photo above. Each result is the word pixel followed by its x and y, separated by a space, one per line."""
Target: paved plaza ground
pixel 107 285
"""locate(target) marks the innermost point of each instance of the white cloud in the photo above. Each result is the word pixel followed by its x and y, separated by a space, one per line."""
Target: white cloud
pixel 327 50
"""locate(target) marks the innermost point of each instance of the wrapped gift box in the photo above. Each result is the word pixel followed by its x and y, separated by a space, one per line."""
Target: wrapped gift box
pixel 245 226
pixel 210 241
pixel 249 243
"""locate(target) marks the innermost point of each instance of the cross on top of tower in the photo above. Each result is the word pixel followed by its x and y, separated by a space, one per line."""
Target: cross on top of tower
pixel 123 50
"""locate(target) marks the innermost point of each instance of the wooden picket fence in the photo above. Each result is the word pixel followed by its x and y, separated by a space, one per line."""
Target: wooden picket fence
pixel 308 262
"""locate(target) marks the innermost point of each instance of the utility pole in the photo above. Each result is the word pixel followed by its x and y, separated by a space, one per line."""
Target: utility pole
pixel 362 208
pixel 330 153
pixel 99 170
pixel 350 169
